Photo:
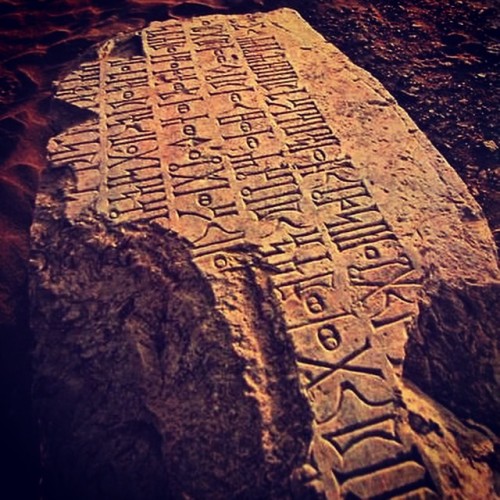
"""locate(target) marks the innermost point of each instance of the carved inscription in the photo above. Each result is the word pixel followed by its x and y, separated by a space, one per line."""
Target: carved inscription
pixel 214 133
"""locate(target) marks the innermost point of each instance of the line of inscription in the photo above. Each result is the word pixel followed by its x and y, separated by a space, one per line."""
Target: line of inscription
pixel 134 180
pixel 346 383
pixel 81 88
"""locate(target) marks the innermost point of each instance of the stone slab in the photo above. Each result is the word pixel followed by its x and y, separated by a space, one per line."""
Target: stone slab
pixel 294 180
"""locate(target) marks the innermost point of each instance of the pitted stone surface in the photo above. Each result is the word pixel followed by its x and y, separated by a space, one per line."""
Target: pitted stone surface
pixel 310 204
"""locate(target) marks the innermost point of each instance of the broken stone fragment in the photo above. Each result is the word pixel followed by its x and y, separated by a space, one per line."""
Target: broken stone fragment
pixel 453 349
pixel 234 252
pixel 144 385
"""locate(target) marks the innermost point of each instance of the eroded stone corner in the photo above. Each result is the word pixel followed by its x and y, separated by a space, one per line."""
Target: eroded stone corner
pixel 450 383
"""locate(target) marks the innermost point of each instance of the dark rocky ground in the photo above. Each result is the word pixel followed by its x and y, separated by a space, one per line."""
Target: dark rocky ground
pixel 439 59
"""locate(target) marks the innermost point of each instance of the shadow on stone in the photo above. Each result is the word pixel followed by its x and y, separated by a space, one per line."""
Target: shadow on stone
pixel 138 388
pixel 453 351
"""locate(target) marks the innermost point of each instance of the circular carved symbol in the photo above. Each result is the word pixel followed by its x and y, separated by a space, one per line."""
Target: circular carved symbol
pixel 329 337
pixel 319 155
pixel 204 199
pixel 315 303
pixel 220 261
pixel 372 253
pixel 194 154
pixel 317 195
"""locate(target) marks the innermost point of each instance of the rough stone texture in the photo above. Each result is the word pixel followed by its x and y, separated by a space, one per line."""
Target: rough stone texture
pixel 139 373
pixel 241 219
pixel 455 344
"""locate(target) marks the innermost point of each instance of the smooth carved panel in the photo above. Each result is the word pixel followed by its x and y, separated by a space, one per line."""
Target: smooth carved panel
pixel 250 133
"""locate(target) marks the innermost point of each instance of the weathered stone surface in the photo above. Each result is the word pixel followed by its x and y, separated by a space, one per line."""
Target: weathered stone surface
pixel 455 344
pixel 142 377
pixel 230 254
